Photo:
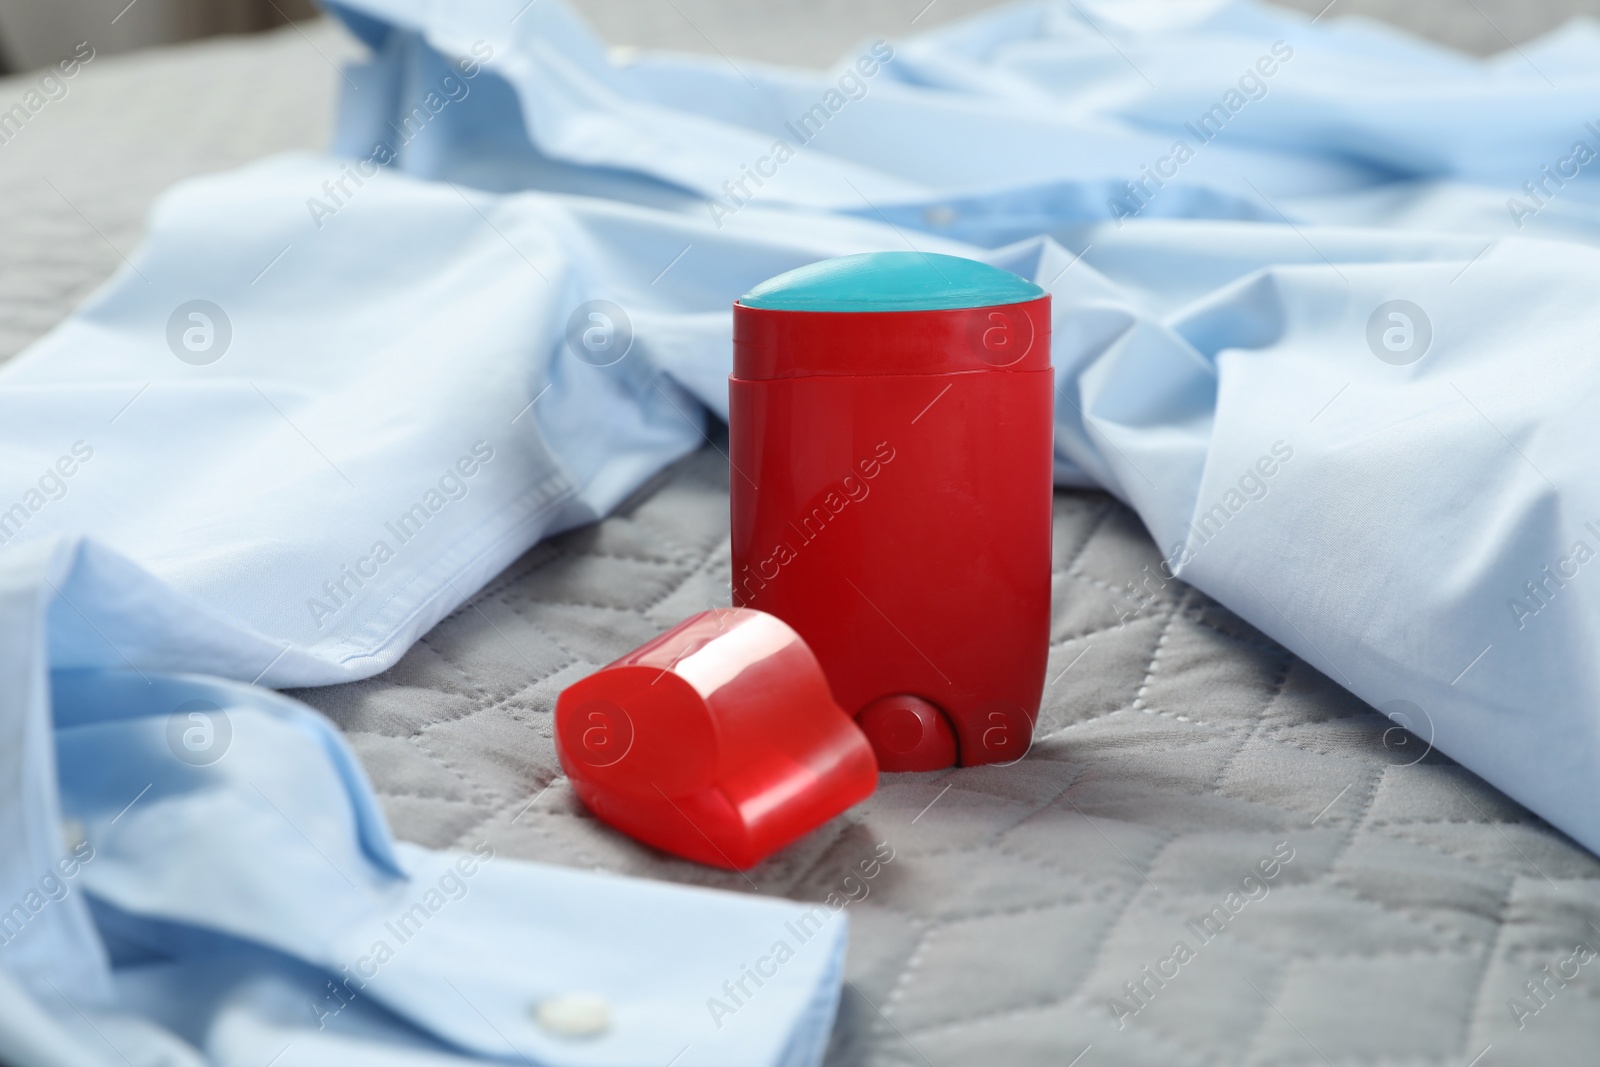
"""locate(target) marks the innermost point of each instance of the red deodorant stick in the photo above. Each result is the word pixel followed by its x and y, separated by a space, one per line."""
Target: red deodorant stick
pixel 890 421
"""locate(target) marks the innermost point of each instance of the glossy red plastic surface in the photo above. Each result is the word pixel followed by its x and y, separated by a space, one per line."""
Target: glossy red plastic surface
pixel 908 734
pixel 718 741
pixel 891 498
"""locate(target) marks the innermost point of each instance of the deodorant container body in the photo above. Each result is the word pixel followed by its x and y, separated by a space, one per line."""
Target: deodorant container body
pixel 890 422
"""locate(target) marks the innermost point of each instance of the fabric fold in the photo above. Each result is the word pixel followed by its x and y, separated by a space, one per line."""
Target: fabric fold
pixel 207 825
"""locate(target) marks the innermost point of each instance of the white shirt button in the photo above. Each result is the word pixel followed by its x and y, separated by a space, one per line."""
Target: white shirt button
pixel 573 1015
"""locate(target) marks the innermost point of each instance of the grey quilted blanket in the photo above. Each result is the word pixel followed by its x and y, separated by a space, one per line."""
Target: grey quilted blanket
pixel 1212 854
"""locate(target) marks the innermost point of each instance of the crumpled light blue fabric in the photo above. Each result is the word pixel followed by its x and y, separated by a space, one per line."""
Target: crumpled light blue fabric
pixel 199 910
pixel 1405 502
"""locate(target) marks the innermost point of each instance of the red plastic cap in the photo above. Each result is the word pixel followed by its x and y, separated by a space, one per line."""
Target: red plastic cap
pixel 718 741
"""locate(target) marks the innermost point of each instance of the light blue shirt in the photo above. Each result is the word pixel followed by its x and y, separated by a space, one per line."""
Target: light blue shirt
pixel 1334 351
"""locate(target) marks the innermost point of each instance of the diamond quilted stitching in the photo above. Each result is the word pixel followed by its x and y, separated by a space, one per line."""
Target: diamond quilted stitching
pixel 1061 940
pixel 407 770
pixel 510 753
pixel 1312 1011
pixel 1213 677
